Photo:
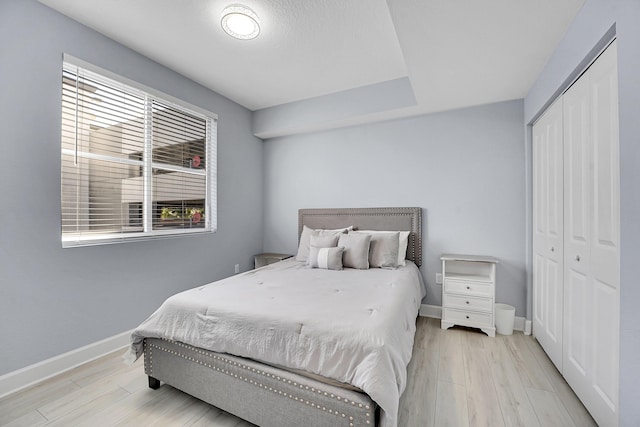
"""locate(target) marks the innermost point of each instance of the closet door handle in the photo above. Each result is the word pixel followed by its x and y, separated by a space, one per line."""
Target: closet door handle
pixel 553 249
pixel 578 258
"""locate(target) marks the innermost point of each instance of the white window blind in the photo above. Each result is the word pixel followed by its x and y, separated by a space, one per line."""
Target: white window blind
pixel 134 164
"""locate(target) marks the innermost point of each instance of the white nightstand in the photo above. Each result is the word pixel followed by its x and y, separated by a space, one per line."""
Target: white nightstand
pixel 267 258
pixel 468 292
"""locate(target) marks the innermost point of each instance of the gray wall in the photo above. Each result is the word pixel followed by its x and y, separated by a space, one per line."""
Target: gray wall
pixel 594 21
pixel 465 168
pixel 54 300
pixel 330 111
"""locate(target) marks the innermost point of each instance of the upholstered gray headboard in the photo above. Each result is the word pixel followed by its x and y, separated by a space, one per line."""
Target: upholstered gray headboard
pixel 394 219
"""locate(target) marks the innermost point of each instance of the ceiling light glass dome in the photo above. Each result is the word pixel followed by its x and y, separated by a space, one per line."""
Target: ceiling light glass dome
pixel 240 22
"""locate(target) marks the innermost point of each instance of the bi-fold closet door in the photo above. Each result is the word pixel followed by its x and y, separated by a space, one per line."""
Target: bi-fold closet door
pixel 576 292
pixel 548 232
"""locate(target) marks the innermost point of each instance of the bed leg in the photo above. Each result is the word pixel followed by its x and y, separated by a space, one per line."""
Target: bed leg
pixel 154 383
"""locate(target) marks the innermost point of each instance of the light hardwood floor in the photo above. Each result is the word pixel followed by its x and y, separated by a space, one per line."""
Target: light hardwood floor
pixel 457 377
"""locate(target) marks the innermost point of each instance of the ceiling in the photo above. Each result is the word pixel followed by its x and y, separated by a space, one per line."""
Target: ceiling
pixel 454 53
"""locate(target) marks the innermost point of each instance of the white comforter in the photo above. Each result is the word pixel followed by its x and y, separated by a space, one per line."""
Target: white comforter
pixel 354 326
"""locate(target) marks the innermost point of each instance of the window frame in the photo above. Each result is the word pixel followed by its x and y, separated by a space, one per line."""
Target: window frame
pixel 210 173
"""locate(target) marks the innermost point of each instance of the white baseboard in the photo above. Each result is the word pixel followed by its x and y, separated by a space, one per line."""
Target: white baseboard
pixel 33 374
pixel 435 311
pixel 427 310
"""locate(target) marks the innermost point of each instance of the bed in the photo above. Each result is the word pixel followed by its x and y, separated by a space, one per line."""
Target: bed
pixel 338 357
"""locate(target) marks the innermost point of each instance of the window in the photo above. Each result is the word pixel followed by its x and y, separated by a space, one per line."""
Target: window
pixel 135 163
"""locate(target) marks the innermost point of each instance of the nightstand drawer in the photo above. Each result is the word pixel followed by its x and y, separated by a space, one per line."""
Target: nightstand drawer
pixel 468 318
pixel 468 303
pixel 468 288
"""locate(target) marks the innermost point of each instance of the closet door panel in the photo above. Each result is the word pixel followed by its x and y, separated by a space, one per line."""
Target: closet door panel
pixel 553 302
pixel 591 298
pixel 605 241
pixel 606 172
pixel 577 147
pixel 604 373
pixel 576 168
pixel 577 315
pixel 548 232
pixel 555 238
pixel 539 225
pixel 555 192
pixel 538 295
pixel 577 200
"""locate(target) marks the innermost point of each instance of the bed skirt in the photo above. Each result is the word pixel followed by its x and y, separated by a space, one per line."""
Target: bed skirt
pixel 261 394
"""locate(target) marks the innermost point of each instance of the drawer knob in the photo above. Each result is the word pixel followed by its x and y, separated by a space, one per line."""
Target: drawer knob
pixel 467 317
pixel 468 287
pixel 578 258
pixel 467 302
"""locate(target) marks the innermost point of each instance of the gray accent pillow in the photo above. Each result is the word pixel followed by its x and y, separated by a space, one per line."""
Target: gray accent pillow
pixel 324 241
pixel 383 251
pixel 327 258
pixel 356 250
pixel 305 237
pixel 402 244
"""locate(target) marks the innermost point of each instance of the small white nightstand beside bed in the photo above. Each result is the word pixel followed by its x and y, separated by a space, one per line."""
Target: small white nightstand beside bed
pixel 468 292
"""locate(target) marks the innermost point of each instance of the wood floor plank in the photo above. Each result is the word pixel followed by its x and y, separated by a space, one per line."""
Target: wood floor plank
pixel 451 362
pixel 97 369
pixel 31 419
pixel 514 402
pixel 474 337
pixel 549 410
pixel 418 402
pixel 482 400
pixel 182 410
pixel 77 412
pixel 451 405
pixel 529 370
pixel 421 332
pixel 161 411
pixel 132 379
pixel 155 410
pixel 572 404
pixel 23 402
pixel 130 406
pixel 79 398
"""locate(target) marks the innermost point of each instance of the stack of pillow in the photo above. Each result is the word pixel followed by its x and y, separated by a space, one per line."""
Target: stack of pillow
pixel 346 247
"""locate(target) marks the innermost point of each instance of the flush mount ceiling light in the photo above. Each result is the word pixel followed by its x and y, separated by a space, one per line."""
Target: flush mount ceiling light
pixel 240 22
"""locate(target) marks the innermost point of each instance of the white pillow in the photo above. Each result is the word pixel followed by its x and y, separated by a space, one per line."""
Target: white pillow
pixel 402 243
pixel 305 237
